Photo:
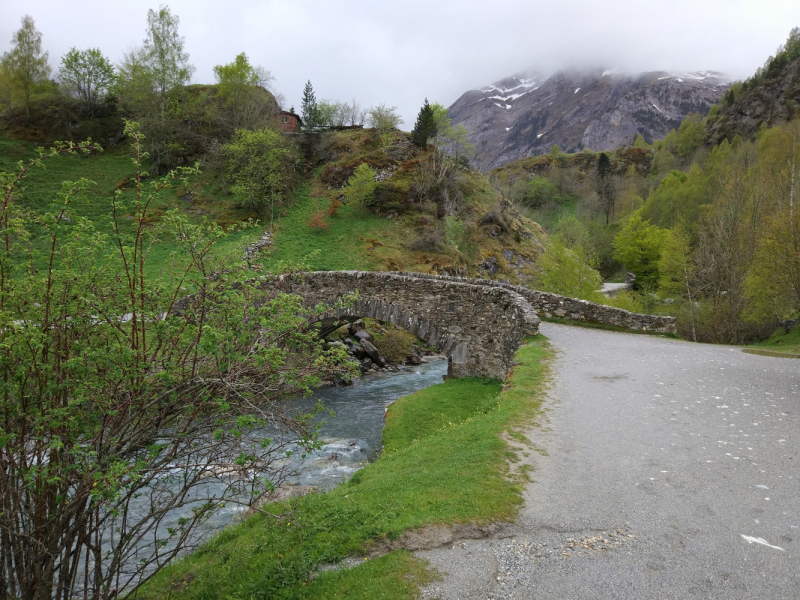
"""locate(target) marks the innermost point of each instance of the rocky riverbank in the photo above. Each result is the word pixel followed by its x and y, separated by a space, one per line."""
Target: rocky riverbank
pixel 383 348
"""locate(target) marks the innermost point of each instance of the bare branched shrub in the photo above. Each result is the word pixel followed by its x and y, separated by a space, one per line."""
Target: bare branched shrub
pixel 495 216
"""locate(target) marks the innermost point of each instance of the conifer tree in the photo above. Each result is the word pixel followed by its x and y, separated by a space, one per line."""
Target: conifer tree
pixel 605 186
pixel 425 127
pixel 308 108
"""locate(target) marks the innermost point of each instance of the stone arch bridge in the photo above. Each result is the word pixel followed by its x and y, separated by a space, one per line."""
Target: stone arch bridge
pixel 477 323
pixel 478 327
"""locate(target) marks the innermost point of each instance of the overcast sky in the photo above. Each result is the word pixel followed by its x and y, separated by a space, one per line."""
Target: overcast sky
pixel 402 52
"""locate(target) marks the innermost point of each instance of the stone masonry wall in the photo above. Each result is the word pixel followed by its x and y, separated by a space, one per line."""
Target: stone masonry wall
pixel 553 305
pixel 477 326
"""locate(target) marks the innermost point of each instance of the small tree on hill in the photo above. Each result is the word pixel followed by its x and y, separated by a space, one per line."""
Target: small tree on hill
pixel 247 105
pixel 384 118
pixel 26 65
pixel 146 75
pixel 88 75
pixel 425 127
pixel 361 186
pixel 163 51
pixel 257 162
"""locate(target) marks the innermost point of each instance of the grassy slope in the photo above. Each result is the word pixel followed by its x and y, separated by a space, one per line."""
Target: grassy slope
pixel 354 239
pixel 348 243
pixel 379 239
pixel 456 473
pixel 110 171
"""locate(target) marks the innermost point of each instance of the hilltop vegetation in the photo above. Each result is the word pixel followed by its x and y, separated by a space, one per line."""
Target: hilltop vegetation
pixel 424 212
pixel 770 97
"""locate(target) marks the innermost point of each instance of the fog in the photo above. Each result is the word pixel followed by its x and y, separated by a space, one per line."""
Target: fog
pixel 402 53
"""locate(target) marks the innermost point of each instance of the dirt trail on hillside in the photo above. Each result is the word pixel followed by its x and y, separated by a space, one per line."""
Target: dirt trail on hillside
pixel 672 471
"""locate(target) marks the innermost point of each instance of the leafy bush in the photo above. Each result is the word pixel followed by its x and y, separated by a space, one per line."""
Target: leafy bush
pixel 565 271
pixel 124 398
pixel 537 192
pixel 396 344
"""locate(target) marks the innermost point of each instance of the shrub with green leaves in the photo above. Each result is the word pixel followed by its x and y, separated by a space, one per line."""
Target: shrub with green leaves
pixel 131 412
pixel 360 187
pixel 396 344
pixel 258 165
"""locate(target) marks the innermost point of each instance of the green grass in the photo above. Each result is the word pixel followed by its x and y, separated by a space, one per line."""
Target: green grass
pixel 780 341
pixel 348 243
pixel 457 473
pixel 435 408
pixel 394 576
pixel 110 171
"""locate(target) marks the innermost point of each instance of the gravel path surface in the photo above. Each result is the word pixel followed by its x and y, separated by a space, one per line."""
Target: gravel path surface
pixel 672 471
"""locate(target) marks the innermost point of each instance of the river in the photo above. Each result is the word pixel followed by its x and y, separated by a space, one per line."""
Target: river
pixel 351 426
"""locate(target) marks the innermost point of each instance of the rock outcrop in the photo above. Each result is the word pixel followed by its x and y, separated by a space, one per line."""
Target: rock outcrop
pixel 770 100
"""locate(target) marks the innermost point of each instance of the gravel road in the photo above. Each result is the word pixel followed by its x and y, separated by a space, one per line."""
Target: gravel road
pixel 671 471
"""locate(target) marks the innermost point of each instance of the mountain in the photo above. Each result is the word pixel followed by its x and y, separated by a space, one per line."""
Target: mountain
pixel 524 115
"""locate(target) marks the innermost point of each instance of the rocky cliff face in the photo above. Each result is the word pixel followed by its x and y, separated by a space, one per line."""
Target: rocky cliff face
pixel 769 100
pixel 526 114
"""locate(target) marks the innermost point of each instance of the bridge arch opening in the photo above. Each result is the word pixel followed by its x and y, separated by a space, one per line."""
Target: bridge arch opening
pixel 454 350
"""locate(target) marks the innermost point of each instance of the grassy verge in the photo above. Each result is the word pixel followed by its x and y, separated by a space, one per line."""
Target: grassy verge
pixel 435 408
pixel 781 342
pixel 454 468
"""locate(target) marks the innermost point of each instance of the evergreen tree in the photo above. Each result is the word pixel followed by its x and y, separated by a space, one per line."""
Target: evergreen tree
pixel 308 108
pixel 425 127
pixel 605 186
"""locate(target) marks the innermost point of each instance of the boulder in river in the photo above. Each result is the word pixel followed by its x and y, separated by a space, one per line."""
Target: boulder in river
pixel 363 335
pixel 356 326
pixel 373 353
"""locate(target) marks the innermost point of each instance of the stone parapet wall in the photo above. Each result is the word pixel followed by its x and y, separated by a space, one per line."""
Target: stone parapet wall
pixel 553 305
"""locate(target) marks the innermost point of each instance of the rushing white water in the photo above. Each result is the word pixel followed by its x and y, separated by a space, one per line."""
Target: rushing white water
pixel 351 427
